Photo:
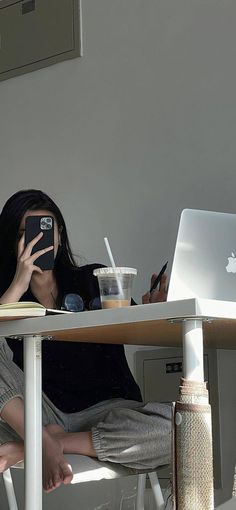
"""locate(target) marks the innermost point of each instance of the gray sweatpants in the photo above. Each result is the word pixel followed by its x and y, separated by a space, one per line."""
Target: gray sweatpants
pixel 131 433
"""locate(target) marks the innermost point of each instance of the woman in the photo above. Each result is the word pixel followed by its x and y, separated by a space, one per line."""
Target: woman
pixel 91 402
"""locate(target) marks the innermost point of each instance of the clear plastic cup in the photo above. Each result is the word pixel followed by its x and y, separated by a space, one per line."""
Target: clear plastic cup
pixel 115 285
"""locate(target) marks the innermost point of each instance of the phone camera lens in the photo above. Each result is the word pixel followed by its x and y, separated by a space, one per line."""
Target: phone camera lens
pixel 46 223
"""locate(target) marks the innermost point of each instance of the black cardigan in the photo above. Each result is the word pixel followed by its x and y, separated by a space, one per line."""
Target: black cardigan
pixel 78 375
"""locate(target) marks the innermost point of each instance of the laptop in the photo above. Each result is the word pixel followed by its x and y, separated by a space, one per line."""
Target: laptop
pixel 204 264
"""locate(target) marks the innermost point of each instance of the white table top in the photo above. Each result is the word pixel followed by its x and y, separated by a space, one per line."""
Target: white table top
pixel 152 324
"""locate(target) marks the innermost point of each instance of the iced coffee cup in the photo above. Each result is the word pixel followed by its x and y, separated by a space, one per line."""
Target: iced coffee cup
pixel 115 285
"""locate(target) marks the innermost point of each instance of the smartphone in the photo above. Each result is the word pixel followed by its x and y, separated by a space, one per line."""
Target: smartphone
pixel 33 226
pixel 158 278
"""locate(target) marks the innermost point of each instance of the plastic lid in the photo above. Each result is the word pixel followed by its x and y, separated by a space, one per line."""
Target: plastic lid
pixel 109 271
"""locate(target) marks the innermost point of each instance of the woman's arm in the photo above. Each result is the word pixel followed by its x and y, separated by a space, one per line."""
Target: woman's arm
pixel 24 269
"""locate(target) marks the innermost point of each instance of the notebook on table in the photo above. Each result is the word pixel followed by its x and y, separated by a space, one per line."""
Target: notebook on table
pixel 23 309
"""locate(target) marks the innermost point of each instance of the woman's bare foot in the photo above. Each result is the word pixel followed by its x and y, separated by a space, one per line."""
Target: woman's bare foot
pixel 10 454
pixel 55 468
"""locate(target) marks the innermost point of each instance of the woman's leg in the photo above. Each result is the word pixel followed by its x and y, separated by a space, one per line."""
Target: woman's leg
pixel 55 468
pixel 11 409
pixel 131 433
pixel 80 443
pixel 11 434
pixel 79 438
pixel 137 438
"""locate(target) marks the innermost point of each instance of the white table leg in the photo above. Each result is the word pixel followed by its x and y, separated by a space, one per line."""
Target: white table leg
pixel 33 422
pixel 193 350
pixel 193 435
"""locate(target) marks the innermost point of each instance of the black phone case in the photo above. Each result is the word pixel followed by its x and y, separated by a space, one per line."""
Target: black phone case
pixel 33 226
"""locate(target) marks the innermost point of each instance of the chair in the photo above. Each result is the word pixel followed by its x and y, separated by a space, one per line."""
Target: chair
pixel 86 469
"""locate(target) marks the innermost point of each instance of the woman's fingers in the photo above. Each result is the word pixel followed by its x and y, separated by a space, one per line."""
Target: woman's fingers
pixel 161 294
pixel 146 298
pixel 21 245
pixel 163 283
pixel 25 252
pixel 38 254
pixel 31 244
pixel 36 269
pixel 153 278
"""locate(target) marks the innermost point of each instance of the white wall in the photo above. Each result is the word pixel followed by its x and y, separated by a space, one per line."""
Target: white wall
pixel 127 136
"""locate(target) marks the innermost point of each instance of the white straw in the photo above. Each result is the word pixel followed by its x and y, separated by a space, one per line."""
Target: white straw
pixel 113 264
pixel 109 252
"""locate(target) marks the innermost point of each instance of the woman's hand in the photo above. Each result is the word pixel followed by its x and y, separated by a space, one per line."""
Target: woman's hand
pixel 25 265
pixel 157 295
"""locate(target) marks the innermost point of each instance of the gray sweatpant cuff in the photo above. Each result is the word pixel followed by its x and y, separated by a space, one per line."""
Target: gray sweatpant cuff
pixel 97 444
pixel 9 394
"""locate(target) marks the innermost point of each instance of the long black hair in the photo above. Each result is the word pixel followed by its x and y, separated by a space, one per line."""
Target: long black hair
pixel 10 219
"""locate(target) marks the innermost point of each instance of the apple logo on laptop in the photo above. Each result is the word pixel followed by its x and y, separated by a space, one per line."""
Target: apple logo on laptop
pixel 231 267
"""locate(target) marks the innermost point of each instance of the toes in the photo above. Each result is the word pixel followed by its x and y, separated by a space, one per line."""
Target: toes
pixel 57 480
pixel 47 481
pixel 52 482
pixel 48 486
pixel 67 473
pixel 49 489
pixel 45 487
